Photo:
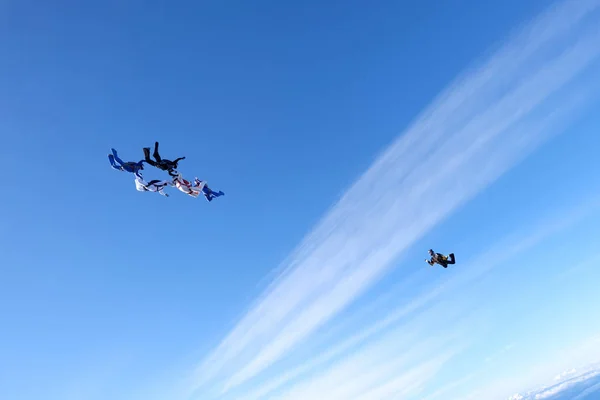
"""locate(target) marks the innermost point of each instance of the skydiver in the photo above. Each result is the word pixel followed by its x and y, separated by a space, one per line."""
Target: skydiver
pixel 195 189
pixel 208 192
pixel 154 185
pixel 437 258
pixel 185 186
pixel 161 163
pixel 133 167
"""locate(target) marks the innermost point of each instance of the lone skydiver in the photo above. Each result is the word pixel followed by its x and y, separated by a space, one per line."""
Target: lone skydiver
pixel 195 189
pixel 437 258
pixel 161 163
pixel 153 186
pixel 133 167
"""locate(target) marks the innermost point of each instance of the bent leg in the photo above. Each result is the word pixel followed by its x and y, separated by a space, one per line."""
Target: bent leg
pixel 111 159
pixel 116 157
pixel 147 157
pixel 451 259
pixel 156 155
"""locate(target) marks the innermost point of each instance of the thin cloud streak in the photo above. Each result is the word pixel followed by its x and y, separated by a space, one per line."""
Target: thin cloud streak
pixel 539 372
pixel 410 335
pixel 411 382
pixel 481 127
pixel 439 307
pixel 378 362
pixel 346 345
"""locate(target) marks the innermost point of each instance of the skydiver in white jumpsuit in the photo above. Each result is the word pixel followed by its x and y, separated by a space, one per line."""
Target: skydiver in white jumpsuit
pixel 196 188
pixel 153 186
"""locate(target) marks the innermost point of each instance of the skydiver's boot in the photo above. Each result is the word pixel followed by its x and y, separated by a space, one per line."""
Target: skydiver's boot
pixel 116 157
pixel 156 154
pixel 451 259
pixel 113 163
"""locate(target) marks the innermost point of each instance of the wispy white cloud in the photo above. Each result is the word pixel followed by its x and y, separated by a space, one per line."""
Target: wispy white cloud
pixel 384 363
pixel 408 383
pixel 427 321
pixel 591 390
pixel 442 392
pixel 561 387
pixel 441 309
pixel 534 377
pixel 479 128
pixel 438 393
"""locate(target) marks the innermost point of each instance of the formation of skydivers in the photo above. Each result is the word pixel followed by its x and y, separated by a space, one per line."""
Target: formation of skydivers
pixel 193 189
pixel 198 187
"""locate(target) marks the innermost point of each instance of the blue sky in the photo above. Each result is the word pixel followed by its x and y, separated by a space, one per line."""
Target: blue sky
pixel 349 138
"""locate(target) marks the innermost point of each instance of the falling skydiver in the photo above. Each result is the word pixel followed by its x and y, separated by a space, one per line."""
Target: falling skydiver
pixel 161 163
pixel 154 185
pixel 437 258
pixel 208 192
pixel 130 166
pixel 195 189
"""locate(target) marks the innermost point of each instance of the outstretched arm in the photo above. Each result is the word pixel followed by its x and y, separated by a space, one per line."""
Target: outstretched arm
pixel 430 262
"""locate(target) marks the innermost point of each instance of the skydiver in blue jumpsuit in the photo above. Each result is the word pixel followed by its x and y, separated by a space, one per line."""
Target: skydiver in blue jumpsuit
pixel 208 192
pixel 133 167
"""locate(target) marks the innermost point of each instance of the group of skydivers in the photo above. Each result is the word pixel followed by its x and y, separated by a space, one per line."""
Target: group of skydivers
pixel 193 189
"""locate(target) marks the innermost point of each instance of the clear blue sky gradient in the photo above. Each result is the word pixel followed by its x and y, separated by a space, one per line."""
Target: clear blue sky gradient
pixel 281 105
